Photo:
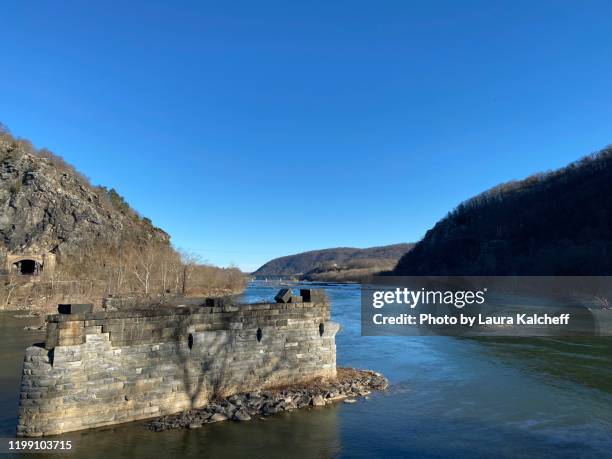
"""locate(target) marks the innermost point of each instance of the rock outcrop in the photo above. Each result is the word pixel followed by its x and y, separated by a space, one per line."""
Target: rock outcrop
pixel 63 239
pixel 48 207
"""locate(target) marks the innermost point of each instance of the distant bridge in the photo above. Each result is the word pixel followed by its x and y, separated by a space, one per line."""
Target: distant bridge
pixel 276 277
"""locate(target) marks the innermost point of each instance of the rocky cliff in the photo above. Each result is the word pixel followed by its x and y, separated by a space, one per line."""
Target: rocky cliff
pixel 65 240
pixel 46 206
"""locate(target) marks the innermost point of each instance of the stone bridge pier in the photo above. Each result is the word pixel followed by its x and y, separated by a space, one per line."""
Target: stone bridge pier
pixel 103 368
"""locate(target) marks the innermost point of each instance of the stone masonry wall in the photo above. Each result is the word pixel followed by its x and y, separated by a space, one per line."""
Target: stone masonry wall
pixel 99 369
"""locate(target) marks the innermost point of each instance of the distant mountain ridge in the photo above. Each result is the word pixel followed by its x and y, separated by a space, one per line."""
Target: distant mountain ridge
pixel 554 223
pixel 334 259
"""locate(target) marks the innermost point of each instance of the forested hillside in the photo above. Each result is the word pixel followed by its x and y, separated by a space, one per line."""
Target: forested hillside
pixel 337 264
pixel 553 223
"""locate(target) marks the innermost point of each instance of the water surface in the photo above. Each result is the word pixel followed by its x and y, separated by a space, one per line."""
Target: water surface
pixel 448 398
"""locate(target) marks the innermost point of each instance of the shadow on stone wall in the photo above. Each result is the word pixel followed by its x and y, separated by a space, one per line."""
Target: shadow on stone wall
pixel 209 362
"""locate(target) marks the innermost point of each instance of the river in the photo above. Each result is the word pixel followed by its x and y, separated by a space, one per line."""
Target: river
pixel 448 397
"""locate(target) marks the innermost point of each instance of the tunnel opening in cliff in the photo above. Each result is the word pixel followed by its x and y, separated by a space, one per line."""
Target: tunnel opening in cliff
pixel 27 267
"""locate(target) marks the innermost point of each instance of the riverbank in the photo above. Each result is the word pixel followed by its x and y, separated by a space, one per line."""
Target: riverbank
pixel 111 303
pixel 349 385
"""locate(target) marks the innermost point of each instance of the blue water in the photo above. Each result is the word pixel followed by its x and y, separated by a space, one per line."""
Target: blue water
pixel 448 398
pixel 465 398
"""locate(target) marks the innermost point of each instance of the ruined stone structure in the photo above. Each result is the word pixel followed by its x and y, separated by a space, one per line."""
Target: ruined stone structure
pixel 104 368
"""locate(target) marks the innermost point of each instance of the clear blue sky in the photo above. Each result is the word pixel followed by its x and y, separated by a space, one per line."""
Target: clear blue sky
pixel 250 130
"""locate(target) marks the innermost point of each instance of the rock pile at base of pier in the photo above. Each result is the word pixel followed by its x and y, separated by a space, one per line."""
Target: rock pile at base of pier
pixel 349 385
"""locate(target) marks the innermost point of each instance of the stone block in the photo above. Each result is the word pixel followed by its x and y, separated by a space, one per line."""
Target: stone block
pixel 69 340
pixel 283 295
pixel 74 308
pixel 51 336
pixel 217 302
pixel 295 299
pixel 312 295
